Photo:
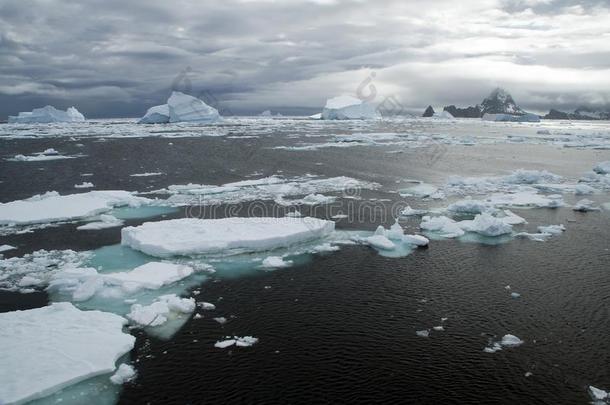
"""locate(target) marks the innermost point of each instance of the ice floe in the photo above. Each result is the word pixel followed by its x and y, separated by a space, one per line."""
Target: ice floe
pixel 484 224
pixel 84 184
pixel 163 309
pixel 272 262
pixel 392 242
pixel 105 221
pixel 348 108
pixel 46 115
pixel 598 395
pixel 245 341
pixel 268 188
pixel 6 248
pixel 125 373
pixel 506 341
pixel 585 205
pixel 64 345
pixel 53 207
pixel 48 154
pixel 191 236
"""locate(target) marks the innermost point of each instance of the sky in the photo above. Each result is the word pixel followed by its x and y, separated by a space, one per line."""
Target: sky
pixel 116 58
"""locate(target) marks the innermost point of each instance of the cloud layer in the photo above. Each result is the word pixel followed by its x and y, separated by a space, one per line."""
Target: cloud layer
pixel 115 58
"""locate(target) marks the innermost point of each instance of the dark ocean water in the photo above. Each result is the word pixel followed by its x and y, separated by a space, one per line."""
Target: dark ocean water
pixel 341 327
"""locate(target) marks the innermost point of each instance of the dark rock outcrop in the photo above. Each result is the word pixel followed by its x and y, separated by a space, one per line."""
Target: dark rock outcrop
pixel 468 112
pixel 429 112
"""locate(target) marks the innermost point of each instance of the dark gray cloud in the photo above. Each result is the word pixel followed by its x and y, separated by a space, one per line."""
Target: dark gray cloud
pixel 116 58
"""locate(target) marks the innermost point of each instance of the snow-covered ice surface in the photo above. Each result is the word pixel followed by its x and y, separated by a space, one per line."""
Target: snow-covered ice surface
pixel 64 345
pixel 191 236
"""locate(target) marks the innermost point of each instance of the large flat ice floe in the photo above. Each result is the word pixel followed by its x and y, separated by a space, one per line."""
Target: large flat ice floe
pixel 180 107
pixel 266 188
pixel 348 108
pixel 191 236
pixel 52 207
pixel 46 115
pixel 47 349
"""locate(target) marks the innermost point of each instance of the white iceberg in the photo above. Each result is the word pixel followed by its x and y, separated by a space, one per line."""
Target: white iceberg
pixel 487 225
pixel 158 114
pixel 46 115
pixel 47 349
pixel 124 373
pixel 191 236
pixel 52 207
pixel 598 394
pixel 180 107
pixel 348 108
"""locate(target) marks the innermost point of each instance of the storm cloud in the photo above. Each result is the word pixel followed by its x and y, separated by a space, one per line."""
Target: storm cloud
pixel 114 58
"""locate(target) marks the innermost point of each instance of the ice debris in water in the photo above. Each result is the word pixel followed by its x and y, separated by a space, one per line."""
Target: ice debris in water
pixel 84 184
pixel 276 262
pixel 391 239
pixel 507 341
pixel 52 207
pixel 37 268
pixel 84 283
pixel 106 221
pixel 191 236
pixel 599 395
pixel 161 310
pixel 125 373
pixel 245 341
pixel 47 154
pixel 423 333
pixel 484 224
pixel 75 345
pixel 221 320
pixel 602 168
pixel 585 205
pixel 5 248
pixel 408 211
pixel 584 189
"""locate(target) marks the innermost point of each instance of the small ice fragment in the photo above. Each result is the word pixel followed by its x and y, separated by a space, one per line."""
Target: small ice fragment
pixel 585 205
pixel 221 320
pixel 515 295
pixel 552 229
pixel 276 262
pixel 197 316
pixel 439 328
pixel 208 306
pixel 598 394
pixel 529 374
pixel 5 248
pixel 223 344
pixel 124 373
pixel 84 184
pixel 423 333
pixel 511 341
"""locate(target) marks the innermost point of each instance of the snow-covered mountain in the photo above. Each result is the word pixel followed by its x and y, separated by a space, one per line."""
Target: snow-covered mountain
pixel 500 102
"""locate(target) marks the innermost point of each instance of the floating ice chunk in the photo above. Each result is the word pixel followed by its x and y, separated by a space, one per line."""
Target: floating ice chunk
pixel 52 207
pixel 511 218
pixel 56 346
pixel 379 242
pixel 421 190
pixel 511 341
pixel 28 281
pixel 294 214
pixel 106 221
pixel 245 341
pixel 339 216
pixel 552 229
pixel 146 174
pixel 526 199
pixel 469 206
pixel 585 205
pixel 492 348
pixel 515 295
pixel 537 237
pixel 158 114
pixel 584 189
pixel 416 240
pixel 446 227
pixel 276 262
pixel 317 116
pixel 408 212
pixel 125 373
pixel 486 225
pixel 48 154
pixel 423 333
pixel 315 199
pixel 6 248
pixel 440 328
pixel 84 283
pixel 598 394
pixel 221 320
pixel 602 168
pixel 348 108
pixel 46 115
pixel 161 310
pixel 185 108
pixel 325 247
pixel 84 184
pixel 190 236
pixel 206 306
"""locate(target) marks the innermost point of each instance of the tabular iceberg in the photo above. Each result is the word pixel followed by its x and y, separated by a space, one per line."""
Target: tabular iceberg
pixel 49 348
pixel 45 115
pixel 191 236
pixel 180 107
pixel 348 108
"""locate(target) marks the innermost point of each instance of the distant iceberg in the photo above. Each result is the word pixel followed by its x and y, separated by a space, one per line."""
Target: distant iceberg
pixel 180 107
pixel 46 115
pixel 527 117
pixel 348 108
